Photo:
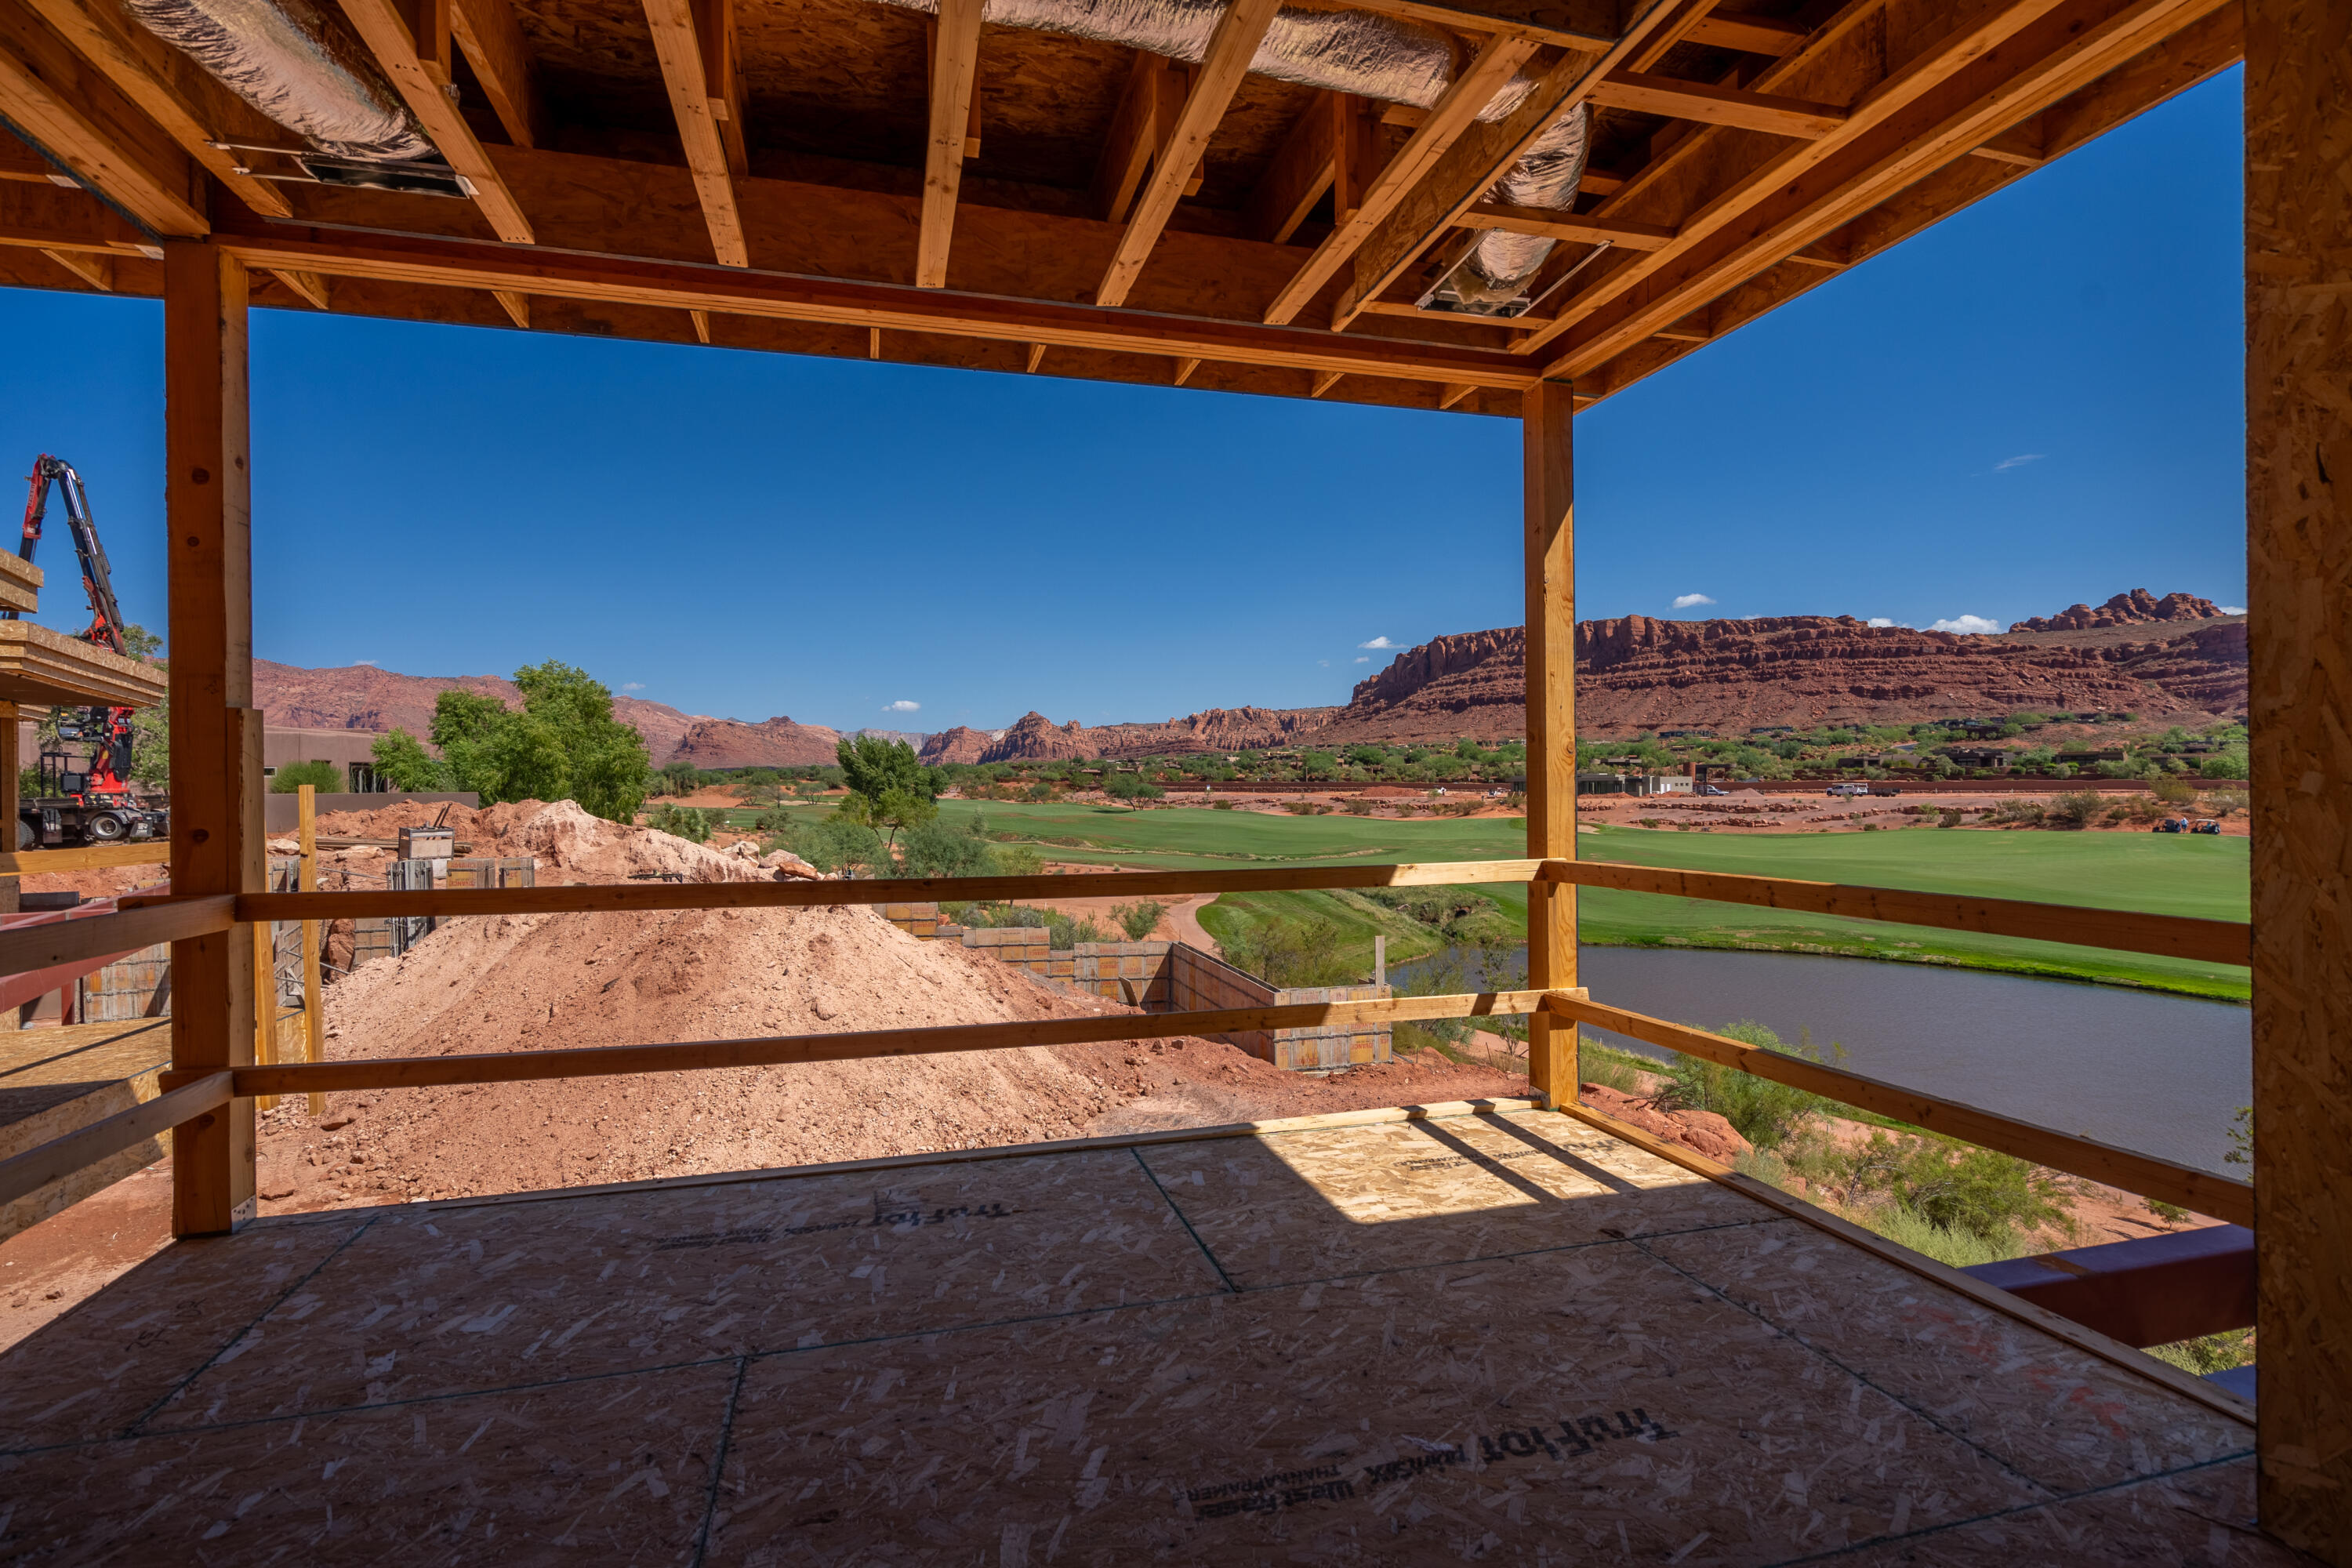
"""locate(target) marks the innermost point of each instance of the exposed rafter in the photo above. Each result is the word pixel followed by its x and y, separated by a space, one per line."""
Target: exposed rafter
pixel 516 306
pixel 93 268
pixel 1708 105
pixel 501 58
pixel 419 69
pixel 1301 171
pixel 1556 225
pixel 955 64
pixel 72 112
pixel 312 288
pixel 677 29
pixel 1456 114
pixel 165 85
pixel 1231 49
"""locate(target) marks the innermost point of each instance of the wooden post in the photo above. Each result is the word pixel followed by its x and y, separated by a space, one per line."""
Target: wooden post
pixel 11 765
pixel 314 1011
pixel 2299 556
pixel 216 841
pixel 1550 492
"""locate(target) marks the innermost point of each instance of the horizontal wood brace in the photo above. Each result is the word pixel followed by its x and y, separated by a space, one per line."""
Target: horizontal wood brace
pixel 677 285
pixel 598 1061
pixel 2125 930
pixel 37 1167
pixel 2145 1174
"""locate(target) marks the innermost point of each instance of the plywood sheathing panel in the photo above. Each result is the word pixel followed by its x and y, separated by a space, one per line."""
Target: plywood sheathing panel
pixel 1315 1205
pixel 433 1303
pixel 55 1081
pixel 39 666
pixel 596 1471
pixel 100 1368
pixel 960 1400
pixel 1964 1364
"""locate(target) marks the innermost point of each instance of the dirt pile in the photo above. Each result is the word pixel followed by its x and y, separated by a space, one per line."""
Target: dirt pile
pixel 362 697
pixel 552 981
pixel 778 743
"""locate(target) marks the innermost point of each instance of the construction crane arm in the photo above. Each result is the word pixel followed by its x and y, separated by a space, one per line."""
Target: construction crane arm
pixel 96 576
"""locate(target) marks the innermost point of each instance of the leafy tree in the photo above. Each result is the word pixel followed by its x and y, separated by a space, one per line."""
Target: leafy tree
pixel 320 776
pixel 890 791
pixel 1137 919
pixel 402 761
pixel 564 743
pixel 938 848
pixel 680 822
pixel 1131 787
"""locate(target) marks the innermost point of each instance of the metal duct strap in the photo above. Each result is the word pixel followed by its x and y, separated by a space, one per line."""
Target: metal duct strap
pixel 299 66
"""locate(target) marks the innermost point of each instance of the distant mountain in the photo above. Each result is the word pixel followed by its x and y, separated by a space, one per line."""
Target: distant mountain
pixel 362 697
pixel 2177 655
pixel 773 743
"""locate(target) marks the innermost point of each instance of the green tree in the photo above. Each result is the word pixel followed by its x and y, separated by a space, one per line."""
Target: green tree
pixel 890 789
pixel 402 761
pixel 321 776
pixel 563 745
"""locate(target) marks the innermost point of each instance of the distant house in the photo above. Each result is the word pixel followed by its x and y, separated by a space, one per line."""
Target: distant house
pixel 1991 757
pixel 2079 759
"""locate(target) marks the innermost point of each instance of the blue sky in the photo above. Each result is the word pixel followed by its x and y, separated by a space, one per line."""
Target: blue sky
pixel 2037 402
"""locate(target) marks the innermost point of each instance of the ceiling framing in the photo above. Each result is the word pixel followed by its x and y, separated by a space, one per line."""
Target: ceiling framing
pixel 845 177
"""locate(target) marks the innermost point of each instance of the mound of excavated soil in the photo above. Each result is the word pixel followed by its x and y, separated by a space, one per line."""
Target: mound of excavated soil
pixel 549 981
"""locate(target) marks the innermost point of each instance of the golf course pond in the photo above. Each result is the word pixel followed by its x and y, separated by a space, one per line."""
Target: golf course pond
pixel 2157 1073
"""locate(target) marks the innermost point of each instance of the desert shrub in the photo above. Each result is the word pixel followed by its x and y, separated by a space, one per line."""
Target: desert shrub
pixel 2242 1137
pixel 2074 810
pixel 2226 803
pixel 679 822
pixel 1301 807
pixel 2173 791
pixel 1765 1112
pixel 2228 765
pixel 837 844
pixel 288 780
pixel 2016 814
pixel 1137 919
pixel 1360 806
pixel 1997 1198
pixel 940 848
pixel 1949 817
pixel 1956 1249
pixel 1292 953
pixel 1220 805
pixel 1069 931
pixel 2210 1355
pixel 1620 1070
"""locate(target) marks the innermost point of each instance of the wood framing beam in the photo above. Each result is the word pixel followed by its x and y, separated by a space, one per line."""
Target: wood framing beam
pixel 69 110
pixel 165 85
pixel 419 71
pixel 2144 1175
pixel 516 306
pixel 1998 63
pixel 1548 490
pixel 92 268
pixel 1448 397
pixel 309 285
pixel 1454 115
pixel 1562 24
pixel 1749 35
pixel 58 217
pixel 1467 170
pixel 501 58
pixel 677 42
pixel 1300 173
pixel 1556 225
pixel 1154 88
pixel 217 839
pixel 1231 49
pixel 1651 94
pixel 955 65
pixel 463 264
pixel 1325 383
pixel 1184 368
pixel 2299 556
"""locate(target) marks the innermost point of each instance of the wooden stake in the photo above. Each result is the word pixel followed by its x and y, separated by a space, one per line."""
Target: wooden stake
pixel 217 842
pixel 1550 569
pixel 314 1007
pixel 2299 552
pixel 265 1003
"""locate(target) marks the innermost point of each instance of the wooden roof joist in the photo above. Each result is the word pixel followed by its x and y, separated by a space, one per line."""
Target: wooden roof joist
pixel 678 285
pixel 1144 219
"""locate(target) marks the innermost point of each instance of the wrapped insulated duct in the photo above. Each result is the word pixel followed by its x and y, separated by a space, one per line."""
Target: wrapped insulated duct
pixel 1384 57
pixel 298 63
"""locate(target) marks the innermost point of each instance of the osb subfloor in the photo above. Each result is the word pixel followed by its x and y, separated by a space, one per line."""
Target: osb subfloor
pixel 1491 1336
pixel 41 1069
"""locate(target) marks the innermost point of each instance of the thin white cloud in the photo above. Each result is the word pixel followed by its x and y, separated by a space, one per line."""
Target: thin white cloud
pixel 1323 664
pixel 363 664
pixel 1380 642
pixel 2232 609
pixel 1881 621
pixel 2017 462
pixel 1967 626
pixel 1361 659
pixel 1684 601
pixel 902 706
pixel 633 686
